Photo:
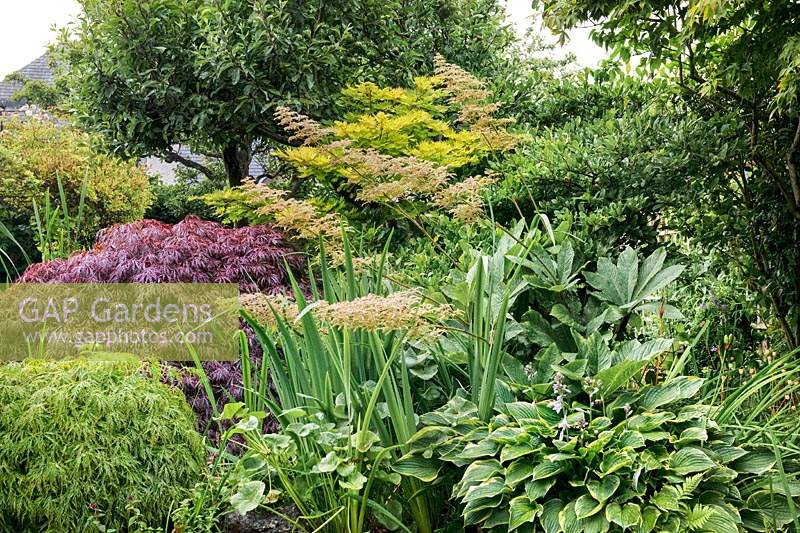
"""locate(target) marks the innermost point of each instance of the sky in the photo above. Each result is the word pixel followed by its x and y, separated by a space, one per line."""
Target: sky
pixel 26 28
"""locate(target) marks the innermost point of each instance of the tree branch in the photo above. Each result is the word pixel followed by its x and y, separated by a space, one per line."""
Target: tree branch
pixel 792 166
pixel 174 157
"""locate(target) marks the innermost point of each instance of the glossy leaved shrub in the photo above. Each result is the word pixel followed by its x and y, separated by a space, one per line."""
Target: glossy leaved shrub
pixel 85 443
pixel 36 155
pixel 192 251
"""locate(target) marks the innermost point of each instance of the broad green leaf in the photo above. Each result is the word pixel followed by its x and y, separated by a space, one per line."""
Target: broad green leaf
pixel 627 516
pixel 586 506
pixel 522 511
pixel 480 471
pixel 614 461
pixel 518 471
pixel 667 499
pixel 536 490
pixel 690 460
pixel 514 451
pixel 650 516
pixel 488 489
pixel 248 497
pixel 756 462
pixel 618 376
pixel 546 470
pixel 603 489
pixel 354 481
pixel 679 388
pixel 327 464
pixel 425 470
pixel 550 513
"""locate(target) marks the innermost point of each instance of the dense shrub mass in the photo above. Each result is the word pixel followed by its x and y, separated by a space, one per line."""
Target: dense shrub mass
pixel 35 155
pixel 172 202
pixel 81 441
pixel 192 251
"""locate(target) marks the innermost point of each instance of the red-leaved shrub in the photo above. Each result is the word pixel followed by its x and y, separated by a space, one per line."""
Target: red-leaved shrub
pixel 192 251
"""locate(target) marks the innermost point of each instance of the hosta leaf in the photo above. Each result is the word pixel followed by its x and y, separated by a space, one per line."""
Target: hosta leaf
pixel 536 490
pixel 631 439
pixel 603 489
pixel 690 460
pixel 567 519
pixel 679 388
pixel 478 472
pixel 484 448
pixel 550 513
pixel 522 511
pixel 626 516
pixel 693 434
pixel 649 421
pixel 518 471
pixel 497 519
pixel 667 499
pixel 423 469
pixel 594 524
pixel 514 451
pixel 614 461
pixel 756 462
pixel 586 506
pixel 488 489
pixel 721 521
pixel 727 453
pixel 636 351
pixel 522 411
pixel 649 518
pixel 546 470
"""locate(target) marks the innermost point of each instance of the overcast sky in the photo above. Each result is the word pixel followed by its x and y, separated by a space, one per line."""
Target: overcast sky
pixel 25 30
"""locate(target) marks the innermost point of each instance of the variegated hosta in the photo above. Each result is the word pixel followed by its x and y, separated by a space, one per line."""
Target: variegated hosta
pixel 636 462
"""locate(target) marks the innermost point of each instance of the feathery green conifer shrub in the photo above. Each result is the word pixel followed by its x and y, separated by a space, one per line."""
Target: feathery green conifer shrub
pixel 83 442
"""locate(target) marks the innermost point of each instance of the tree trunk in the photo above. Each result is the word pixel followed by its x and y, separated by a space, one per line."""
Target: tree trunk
pixel 237 163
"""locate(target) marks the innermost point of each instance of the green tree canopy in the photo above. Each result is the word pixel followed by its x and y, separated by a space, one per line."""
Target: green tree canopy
pixel 150 74
pixel 736 66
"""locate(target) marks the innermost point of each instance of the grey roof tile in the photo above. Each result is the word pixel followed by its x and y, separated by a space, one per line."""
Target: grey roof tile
pixel 38 70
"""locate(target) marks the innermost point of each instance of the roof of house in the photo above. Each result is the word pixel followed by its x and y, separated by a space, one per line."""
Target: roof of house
pixel 38 70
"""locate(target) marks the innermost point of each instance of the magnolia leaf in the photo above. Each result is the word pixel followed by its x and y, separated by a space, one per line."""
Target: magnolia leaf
pixel 618 375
